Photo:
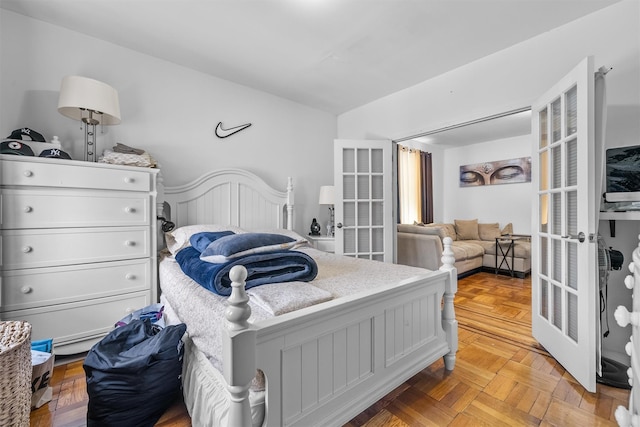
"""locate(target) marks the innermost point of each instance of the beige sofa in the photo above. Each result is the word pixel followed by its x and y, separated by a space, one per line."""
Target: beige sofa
pixel 474 247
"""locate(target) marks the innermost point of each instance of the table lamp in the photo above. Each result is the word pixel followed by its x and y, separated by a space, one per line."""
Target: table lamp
pixel 91 102
pixel 327 197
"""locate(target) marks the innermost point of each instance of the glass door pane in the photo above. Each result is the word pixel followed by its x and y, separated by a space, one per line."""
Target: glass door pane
pixel 365 227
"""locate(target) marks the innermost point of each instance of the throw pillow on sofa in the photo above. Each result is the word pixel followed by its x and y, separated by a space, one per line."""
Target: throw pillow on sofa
pixel 467 229
pixel 446 230
pixel 489 231
pixel 508 229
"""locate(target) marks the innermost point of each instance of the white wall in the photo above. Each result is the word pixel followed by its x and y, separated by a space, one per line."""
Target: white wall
pixel 512 79
pixel 488 203
pixel 168 110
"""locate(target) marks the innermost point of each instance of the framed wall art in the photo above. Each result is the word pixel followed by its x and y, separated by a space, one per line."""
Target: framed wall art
pixel 497 172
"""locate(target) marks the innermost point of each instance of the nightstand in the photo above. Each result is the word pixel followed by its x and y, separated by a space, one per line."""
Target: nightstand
pixel 322 243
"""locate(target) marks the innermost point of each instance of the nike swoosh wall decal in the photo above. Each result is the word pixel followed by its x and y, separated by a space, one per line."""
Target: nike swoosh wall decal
pixel 223 133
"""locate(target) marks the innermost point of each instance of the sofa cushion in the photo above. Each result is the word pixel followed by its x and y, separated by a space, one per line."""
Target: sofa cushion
pixel 489 247
pixel 489 231
pixel 466 250
pixel 467 229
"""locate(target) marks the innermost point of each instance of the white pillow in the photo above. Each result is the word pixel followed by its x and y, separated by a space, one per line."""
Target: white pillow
pixel 179 238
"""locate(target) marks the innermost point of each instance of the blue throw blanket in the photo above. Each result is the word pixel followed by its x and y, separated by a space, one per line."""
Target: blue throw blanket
pixel 262 268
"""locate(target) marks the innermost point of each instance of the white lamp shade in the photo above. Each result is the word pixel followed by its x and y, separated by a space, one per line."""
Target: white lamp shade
pixel 77 93
pixel 327 195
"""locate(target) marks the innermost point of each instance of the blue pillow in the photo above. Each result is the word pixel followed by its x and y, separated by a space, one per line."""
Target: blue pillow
pixel 200 241
pixel 227 248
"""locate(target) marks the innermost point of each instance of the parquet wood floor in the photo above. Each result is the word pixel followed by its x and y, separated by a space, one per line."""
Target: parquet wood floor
pixel 503 377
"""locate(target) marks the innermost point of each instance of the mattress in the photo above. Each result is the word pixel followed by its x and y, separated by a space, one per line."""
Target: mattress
pixel 203 311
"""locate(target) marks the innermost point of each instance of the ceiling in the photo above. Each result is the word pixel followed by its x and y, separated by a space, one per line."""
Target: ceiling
pixel 333 55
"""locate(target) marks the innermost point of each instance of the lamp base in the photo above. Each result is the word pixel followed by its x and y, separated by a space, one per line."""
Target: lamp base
pixel 90 142
pixel 330 228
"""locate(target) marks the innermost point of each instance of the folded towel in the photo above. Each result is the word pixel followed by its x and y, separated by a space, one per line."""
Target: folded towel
pixel 143 160
pixel 121 148
pixel 280 298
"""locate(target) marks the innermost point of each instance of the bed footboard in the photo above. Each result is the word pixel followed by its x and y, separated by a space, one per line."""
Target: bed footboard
pixel 325 364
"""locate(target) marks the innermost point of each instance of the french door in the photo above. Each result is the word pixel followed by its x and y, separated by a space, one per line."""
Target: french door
pixel 563 277
pixel 364 176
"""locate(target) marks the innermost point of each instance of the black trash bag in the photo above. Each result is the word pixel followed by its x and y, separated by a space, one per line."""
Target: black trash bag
pixel 134 374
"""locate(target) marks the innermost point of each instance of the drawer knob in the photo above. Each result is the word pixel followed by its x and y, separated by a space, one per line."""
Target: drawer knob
pixel 130 243
pixel 629 282
pixel 130 276
pixel 28 173
pixel 129 209
pixel 28 209
pixel 26 289
pixel 128 180
pixel 27 249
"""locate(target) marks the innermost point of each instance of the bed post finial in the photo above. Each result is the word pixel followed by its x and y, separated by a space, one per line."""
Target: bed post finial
pixel 238 349
pixel 238 310
pixel 448 259
pixel 449 322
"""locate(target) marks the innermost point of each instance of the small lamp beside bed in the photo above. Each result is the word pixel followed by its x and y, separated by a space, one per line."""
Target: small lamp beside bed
pixel 327 197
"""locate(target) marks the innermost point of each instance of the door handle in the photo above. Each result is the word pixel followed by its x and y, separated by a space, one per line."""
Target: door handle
pixel 339 225
pixel 580 237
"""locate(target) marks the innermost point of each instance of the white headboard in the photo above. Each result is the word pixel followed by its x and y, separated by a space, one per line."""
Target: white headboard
pixel 229 197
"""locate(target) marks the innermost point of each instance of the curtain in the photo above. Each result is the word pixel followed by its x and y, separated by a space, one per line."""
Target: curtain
pixel 415 186
pixel 409 193
pixel 426 178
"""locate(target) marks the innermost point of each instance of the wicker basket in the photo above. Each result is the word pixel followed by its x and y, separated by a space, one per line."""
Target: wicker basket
pixel 15 373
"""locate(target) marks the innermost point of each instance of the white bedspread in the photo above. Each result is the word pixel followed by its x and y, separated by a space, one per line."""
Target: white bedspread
pixel 203 311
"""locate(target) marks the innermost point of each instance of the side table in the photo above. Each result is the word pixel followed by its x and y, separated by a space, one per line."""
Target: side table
pixel 505 252
pixel 322 243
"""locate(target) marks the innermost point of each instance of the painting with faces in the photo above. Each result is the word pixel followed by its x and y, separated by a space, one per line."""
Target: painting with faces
pixel 497 172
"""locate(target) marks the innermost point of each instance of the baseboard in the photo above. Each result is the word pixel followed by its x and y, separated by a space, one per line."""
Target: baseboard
pixel 518 274
pixel 469 272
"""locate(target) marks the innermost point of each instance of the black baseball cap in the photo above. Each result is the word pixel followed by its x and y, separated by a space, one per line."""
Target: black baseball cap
pixel 15 147
pixel 54 153
pixel 26 134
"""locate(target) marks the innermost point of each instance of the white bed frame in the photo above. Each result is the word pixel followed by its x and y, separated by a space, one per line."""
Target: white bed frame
pixel 326 363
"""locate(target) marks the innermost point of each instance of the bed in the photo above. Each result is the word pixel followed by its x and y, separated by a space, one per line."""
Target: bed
pixel 318 365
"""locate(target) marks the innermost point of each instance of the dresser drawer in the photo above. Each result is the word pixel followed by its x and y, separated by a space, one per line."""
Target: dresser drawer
pixel 73 322
pixel 39 287
pixel 77 208
pixel 69 246
pixel 73 175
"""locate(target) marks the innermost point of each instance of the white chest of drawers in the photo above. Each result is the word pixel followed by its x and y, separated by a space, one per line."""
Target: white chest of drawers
pixel 77 246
